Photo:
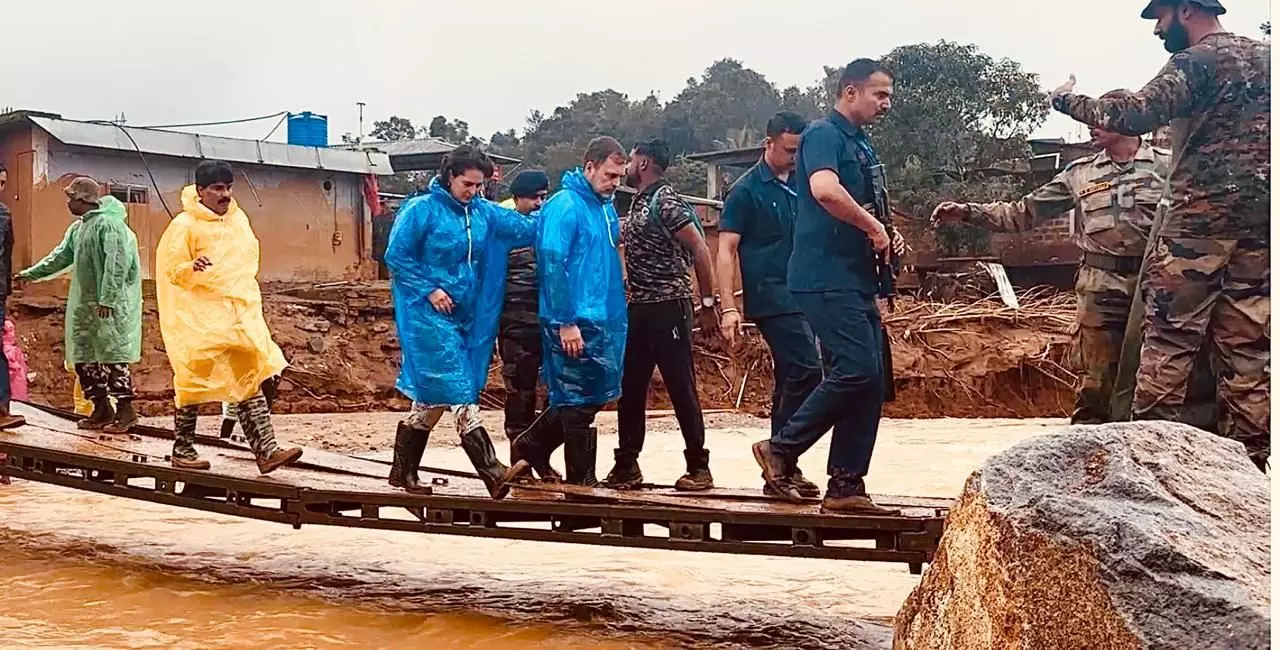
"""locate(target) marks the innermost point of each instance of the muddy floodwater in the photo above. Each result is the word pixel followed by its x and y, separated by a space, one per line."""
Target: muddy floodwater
pixel 79 570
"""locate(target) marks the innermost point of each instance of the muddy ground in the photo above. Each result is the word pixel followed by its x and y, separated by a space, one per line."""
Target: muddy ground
pixel 344 354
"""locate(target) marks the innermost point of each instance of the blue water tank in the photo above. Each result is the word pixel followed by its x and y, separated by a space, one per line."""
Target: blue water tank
pixel 308 129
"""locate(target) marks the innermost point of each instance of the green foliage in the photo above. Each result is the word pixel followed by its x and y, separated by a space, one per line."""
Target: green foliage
pixel 393 128
pixel 956 113
pixel 455 131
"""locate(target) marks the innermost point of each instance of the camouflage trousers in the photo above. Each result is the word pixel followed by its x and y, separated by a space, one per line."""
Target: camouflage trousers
pixel 255 419
pixel 98 381
pixel 520 347
pixel 1103 299
pixel 1215 295
pixel 424 417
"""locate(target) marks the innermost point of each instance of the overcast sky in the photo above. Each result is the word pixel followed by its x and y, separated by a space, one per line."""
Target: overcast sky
pixel 490 63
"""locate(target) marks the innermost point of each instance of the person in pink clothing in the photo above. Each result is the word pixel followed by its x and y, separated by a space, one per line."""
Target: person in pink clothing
pixel 17 379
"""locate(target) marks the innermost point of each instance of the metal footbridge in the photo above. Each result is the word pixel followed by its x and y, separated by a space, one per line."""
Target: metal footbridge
pixel 333 489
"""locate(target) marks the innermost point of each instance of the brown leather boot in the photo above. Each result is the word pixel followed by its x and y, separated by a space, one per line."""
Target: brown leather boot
pixel 775 472
pixel 856 504
pixel 847 495
pixel 279 458
pixel 189 463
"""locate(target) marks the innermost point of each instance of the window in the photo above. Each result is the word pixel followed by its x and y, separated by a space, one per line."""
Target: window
pixel 129 193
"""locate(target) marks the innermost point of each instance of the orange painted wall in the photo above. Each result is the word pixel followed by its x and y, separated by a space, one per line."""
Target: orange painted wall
pixel 292 212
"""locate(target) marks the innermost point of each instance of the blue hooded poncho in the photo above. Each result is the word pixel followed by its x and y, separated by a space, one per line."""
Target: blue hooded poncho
pixel 437 242
pixel 580 282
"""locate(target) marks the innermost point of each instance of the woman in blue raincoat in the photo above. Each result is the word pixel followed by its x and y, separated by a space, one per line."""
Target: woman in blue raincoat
pixel 447 255
pixel 583 312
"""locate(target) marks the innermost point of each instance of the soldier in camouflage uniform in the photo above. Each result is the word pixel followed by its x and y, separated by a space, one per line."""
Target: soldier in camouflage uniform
pixel 519 335
pixel 1209 278
pixel 1114 194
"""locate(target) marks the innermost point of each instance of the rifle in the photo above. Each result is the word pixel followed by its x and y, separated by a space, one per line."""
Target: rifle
pixel 887 267
pixel 888 264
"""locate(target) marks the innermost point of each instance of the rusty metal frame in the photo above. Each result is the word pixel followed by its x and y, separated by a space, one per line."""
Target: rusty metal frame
pixel 908 539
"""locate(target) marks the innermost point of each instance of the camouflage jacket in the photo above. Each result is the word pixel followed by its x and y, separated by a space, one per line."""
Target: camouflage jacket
pixel 1114 203
pixel 520 304
pixel 1217 97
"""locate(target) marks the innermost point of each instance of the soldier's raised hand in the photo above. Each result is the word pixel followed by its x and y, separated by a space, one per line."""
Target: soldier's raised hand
pixel 1064 88
pixel 948 212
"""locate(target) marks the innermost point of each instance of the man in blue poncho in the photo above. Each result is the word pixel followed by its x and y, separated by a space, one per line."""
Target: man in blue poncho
pixel 583 313
pixel 447 255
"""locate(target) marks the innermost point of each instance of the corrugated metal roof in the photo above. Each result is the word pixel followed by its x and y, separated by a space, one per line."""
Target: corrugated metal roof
pixel 424 147
pixel 194 145
pixel 743 155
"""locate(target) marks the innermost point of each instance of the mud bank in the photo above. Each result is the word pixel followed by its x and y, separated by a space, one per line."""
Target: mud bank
pixel 344 354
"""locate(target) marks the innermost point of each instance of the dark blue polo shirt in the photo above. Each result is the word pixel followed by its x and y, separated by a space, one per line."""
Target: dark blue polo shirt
pixel 829 254
pixel 762 209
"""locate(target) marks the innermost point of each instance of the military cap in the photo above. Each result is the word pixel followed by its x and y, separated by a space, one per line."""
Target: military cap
pixel 1212 6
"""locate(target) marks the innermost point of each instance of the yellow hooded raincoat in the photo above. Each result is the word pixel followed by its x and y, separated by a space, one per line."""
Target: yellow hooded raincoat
pixel 212 323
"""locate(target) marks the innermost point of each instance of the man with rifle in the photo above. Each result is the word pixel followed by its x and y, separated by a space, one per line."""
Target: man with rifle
pixel 834 276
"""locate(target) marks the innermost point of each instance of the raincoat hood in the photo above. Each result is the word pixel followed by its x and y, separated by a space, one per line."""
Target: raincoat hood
pixel 441 192
pixel 108 206
pixel 576 181
pixel 191 205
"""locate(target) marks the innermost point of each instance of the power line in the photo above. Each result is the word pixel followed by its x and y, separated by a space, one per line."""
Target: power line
pixel 273 129
pixel 219 123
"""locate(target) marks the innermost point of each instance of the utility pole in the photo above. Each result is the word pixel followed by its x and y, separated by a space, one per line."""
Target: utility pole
pixel 360 132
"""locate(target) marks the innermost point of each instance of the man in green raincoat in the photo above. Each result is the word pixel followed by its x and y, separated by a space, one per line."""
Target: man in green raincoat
pixel 104 304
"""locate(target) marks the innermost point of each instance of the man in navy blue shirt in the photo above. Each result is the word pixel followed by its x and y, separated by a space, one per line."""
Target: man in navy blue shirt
pixel 755 239
pixel 832 276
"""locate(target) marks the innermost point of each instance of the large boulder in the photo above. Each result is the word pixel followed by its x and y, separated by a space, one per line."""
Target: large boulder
pixel 1134 535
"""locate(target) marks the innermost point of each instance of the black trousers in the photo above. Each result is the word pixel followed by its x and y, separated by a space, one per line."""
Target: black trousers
pixel 659 335
pixel 520 347
pixel 797 368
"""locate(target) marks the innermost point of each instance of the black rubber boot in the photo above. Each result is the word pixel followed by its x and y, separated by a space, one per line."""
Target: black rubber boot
pixel 101 416
pixel 496 476
pixel 536 444
pixel 580 457
pixel 698 474
pixel 406 455
pixel 625 474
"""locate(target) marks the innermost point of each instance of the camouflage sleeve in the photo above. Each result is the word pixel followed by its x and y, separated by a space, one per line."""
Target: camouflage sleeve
pixel 1171 94
pixel 1045 202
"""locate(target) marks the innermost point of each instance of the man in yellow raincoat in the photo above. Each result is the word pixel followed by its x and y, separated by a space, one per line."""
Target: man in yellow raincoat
pixel 211 318
pixel 104 303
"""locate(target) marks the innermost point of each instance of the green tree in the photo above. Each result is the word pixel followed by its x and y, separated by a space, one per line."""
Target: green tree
pixel 455 131
pixel 1266 29
pixel 393 128
pixel 956 113
pixel 730 103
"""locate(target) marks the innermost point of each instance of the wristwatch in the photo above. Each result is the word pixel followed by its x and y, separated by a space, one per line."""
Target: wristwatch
pixel 708 302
